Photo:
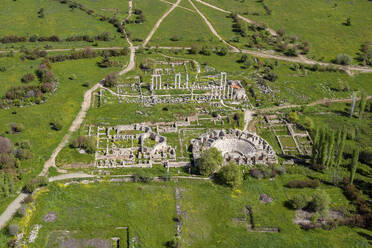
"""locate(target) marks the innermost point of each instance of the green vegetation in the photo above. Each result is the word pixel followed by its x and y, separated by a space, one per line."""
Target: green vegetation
pixel 210 161
pixel 183 28
pixel 322 32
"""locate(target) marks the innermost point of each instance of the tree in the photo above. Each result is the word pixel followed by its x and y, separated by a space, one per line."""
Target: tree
pixel 354 165
pixel 353 102
pixel 320 202
pixel 28 78
pixel 111 80
pixel 299 201
pixel 348 22
pixel 230 175
pixel 222 51
pixel 194 49
pixel 209 161
pixel 341 145
pixel 5 145
pixel 366 156
pixel 362 104
pixel 86 143
pixel 343 59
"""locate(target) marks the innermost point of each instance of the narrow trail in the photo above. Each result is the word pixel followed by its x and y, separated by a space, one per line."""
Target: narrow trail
pixel 159 22
pixel 231 47
pixel 179 6
pixel 11 210
pixel 271 31
pixel 130 10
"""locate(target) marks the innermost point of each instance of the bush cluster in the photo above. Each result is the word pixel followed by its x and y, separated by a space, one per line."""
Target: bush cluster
pixel 105 36
pixel 209 161
pixel 308 183
pixel 112 20
pixel 88 53
pixel 32 185
pixel 142 176
pixel 230 175
pixel 266 172
pixel 86 143
pixel 23 95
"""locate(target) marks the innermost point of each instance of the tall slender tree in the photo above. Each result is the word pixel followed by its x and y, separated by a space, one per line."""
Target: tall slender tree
pixel 362 104
pixel 354 165
pixel 341 146
pixel 353 102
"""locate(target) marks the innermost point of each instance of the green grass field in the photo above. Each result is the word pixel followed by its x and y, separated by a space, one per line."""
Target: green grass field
pixel 63 105
pixel 59 20
pixel 110 8
pixel 208 214
pixel 188 27
pixel 318 22
pixel 147 210
pixel 152 11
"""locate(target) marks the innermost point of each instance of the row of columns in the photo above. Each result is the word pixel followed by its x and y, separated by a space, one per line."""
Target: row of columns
pixel 219 92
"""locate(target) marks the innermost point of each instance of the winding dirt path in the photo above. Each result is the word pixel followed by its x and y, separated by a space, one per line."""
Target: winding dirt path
pixel 164 1
pixel 11 210
pixel 148 38
pixel 231 47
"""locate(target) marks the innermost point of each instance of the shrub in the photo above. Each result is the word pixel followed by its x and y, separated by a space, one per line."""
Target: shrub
pixel 366 156
pixel 30 187
pixel 142 176
pixel 29 77
pixel 42 181
pixel 303 184
pixel 256 173
pixel 23 154
pixel 343 59
pixel 230 175
pixel 5 145
pixel 299 201
pixel 209 161
pixel 22 211
pixel 320 202
pixel 194 49
pixel 86 143
pixel 280 170
pixel 28 199
pixel 13 229
pixel 111 80
pixel 56 125
pixel 17 127
pixel 175 38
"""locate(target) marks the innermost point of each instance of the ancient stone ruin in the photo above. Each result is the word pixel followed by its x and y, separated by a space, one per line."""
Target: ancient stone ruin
pixel 239 146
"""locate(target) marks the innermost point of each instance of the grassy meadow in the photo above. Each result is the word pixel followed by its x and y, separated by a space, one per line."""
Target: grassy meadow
pixel 186 26
pixel 318 22
pixel 63 105
pixel 208 214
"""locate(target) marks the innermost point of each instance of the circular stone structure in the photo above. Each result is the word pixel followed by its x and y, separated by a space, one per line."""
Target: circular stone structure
pixel 234 146
pixel 241 147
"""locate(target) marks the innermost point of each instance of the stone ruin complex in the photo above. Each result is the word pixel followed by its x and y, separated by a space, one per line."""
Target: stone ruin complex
pixel 224 89
pixel 141 155
pixel 240 146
